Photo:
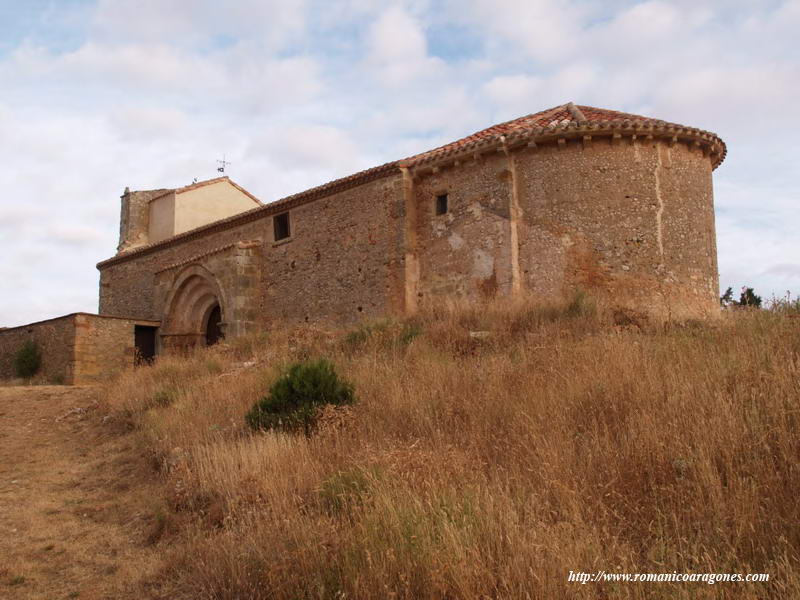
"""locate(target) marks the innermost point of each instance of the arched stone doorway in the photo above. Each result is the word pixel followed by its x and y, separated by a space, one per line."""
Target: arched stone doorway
pixel 195 310
pixel 213 326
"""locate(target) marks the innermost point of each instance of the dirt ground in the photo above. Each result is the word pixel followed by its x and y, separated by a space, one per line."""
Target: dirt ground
pixel 78 501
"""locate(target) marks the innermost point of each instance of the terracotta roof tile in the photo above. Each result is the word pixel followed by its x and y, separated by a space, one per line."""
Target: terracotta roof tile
pixel 558 115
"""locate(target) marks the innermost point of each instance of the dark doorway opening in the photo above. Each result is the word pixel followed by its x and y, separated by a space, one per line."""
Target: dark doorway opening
pixel 213 326
pixel 145 341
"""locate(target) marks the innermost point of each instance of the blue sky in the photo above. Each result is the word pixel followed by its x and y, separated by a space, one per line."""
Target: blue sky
pixel 103 94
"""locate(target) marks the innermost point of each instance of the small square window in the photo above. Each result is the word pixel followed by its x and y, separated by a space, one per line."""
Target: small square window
pixel 441 204
pixel 281 224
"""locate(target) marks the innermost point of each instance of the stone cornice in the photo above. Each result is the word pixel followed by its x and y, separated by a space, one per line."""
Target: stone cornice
pixel 709 142
pixel 196 257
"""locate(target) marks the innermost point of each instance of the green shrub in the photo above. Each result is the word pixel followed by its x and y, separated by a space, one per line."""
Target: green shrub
pixel 294 400
pixel 28 360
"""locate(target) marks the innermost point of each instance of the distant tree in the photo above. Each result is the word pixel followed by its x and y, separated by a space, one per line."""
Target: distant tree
pixel 749 298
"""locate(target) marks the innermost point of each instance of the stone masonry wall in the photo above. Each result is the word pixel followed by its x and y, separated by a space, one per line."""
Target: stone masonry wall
pixel 76 349
pixel 228 277
pixel 103 347
pixel 135 217
pixel 467 251
pixel 632 222
pixel 342 262
pixel 56 341
pixel 139 287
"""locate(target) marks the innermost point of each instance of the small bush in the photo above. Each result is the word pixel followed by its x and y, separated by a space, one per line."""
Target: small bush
pixel 295 399
pixel 28 360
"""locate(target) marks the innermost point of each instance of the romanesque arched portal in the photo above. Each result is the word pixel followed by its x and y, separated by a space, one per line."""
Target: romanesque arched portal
pixel 195 310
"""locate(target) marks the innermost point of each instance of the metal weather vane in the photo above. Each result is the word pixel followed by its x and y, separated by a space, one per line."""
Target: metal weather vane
pixel 223 163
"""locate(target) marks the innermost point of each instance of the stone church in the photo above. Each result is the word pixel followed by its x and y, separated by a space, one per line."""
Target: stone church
pixel 573 197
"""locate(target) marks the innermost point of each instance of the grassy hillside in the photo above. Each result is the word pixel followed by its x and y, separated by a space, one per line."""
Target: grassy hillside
pixel 485 465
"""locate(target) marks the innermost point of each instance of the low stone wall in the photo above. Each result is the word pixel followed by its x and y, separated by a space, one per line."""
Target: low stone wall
pixel 104 346
pixel 56 341
pixel 79 348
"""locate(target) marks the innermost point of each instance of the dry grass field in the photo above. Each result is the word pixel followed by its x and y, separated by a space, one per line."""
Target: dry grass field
pixel 78 500
pixel 484 465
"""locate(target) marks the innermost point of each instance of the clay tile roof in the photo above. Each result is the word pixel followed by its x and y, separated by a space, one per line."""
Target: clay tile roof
pixel 552 117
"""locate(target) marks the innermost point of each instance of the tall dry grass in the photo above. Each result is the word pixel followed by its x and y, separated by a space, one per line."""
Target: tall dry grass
pixel 487 465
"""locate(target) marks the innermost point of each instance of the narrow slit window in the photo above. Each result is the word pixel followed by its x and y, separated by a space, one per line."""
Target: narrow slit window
pixel 441 204
pixel 281 224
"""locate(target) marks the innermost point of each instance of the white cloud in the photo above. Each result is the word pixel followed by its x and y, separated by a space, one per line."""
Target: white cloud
pixel 790 270
pixel 514 94
pixel 148 122
pixel 745 100
pixel 397 50
pixel 548 31
pixel 96 73
pixel 73 235
pixel 308 147
pixel 199 22
pixel 396 37
pixel 263 85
